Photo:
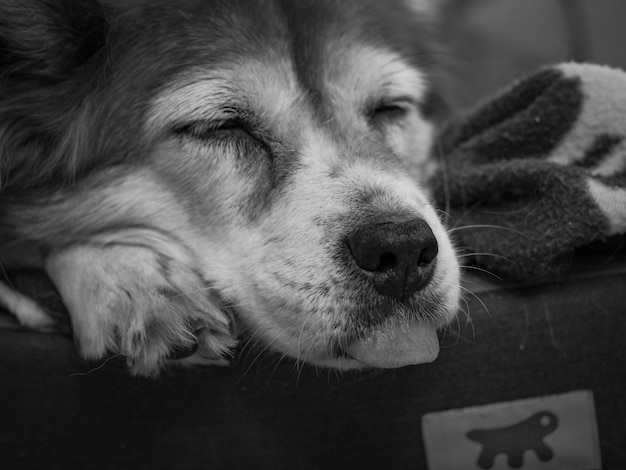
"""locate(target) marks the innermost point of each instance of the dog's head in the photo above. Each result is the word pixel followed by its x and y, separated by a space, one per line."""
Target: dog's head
pixel 282 144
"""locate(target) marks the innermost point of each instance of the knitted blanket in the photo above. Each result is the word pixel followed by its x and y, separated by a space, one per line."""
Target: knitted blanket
pixel 538 171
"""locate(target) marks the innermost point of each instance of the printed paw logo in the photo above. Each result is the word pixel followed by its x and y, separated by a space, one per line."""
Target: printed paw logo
pixel 515 440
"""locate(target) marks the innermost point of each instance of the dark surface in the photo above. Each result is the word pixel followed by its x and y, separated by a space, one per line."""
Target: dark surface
pixel 59 412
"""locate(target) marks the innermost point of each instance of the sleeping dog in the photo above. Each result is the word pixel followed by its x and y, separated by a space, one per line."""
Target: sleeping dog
pixel 189 173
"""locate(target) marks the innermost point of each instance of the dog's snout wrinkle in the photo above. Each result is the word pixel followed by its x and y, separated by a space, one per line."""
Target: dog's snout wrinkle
pixel 398 256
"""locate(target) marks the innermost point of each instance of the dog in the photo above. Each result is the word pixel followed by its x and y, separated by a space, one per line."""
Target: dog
pixel 195 172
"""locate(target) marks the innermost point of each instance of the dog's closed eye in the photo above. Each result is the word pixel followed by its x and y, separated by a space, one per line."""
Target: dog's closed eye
pixel 386 112
pixel 206 130
pixel 234 132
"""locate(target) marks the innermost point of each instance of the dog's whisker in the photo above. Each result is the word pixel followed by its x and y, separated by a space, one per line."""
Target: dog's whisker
pixel 278 362
pixel 458 322
pixel 466 312
pixel 244 348
pixel 251 338
pixel 446 215
pixel 491 255
pixel 478 299
pixel 470 323
pixel 486 271
pixel 256 358
pixel 487 226
pixel 300 340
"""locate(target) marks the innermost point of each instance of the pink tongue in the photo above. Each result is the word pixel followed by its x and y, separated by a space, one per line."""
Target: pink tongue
pixel 397 346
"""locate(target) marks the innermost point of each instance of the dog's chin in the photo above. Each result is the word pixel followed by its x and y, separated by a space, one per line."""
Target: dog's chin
pixel 389 346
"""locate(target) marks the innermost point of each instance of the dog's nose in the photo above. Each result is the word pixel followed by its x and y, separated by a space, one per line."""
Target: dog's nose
pixel 399 256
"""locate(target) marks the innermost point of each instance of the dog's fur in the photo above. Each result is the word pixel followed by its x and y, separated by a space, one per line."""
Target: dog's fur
pixel 183 168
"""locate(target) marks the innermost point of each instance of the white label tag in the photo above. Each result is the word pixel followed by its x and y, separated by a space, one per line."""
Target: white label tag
pixel 556 432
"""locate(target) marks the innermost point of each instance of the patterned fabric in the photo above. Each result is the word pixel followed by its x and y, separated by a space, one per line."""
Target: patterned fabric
pixel 538 172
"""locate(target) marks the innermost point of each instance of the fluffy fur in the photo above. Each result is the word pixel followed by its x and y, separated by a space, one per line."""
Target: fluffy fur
pixel 183 168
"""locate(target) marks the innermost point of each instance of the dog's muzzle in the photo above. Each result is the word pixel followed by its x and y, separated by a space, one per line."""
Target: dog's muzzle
pixel 398 256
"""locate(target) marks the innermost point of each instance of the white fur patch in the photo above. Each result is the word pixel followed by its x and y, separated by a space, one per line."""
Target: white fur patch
pixel 359 76
pixel 267 87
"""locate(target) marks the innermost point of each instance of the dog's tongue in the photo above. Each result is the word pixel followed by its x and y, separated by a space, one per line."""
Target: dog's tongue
pixel 397 346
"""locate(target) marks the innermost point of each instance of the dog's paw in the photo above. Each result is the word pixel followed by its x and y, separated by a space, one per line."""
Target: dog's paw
pixel 138 303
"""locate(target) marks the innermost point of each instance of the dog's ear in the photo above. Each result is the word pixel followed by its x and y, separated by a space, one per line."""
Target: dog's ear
pixel 48 39
pixel 48 50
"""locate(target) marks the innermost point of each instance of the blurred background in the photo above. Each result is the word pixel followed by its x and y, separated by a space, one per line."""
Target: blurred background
pixel 496 41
